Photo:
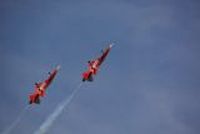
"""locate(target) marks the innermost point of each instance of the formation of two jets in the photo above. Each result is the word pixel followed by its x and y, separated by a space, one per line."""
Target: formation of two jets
pixel 93 67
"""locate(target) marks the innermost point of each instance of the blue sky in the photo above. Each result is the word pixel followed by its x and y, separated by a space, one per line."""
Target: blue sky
pixel 149 84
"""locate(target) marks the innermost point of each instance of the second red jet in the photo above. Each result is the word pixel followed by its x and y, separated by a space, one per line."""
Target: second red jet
pixel 93 66
pixel 41 87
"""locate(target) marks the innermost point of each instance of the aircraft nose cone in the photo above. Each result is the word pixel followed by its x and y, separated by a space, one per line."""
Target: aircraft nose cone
pixel 58 67
pixel 111 45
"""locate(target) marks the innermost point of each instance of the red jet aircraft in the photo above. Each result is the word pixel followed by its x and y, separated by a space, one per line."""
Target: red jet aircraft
pixel 93 66
pixel 41 87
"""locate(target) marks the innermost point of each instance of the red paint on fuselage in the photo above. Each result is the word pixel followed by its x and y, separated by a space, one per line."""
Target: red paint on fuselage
pixel 40 88
pixel 94 65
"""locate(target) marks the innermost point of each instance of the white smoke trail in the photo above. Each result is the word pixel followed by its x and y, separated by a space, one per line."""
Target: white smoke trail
pixel 52 117
pixel 16 122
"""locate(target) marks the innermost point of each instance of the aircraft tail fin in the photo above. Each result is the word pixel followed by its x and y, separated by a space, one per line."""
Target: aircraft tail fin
pixel 34 98
pixel 87 76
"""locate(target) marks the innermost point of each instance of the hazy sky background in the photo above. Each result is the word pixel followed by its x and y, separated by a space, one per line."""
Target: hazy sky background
pixel 149 84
